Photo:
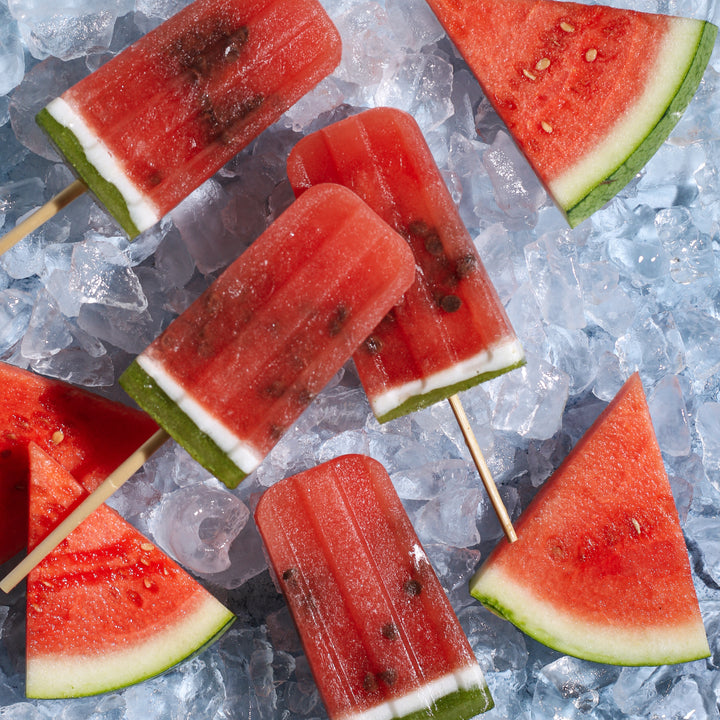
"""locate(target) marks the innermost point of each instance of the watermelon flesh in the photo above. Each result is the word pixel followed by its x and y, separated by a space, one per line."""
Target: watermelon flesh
pixel 106 608
pixel 87 434
pixel 600 569
pixel 588 92
pixel 237 368
pixel 450 331
pixel 379 633
pixel 148 127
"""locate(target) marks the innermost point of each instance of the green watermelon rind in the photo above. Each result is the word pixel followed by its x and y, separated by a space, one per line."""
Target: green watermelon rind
pixel 606 188
pixel 459 705
pixel 68 680
pixel 156 403
pixel 106 192
pixel 418 402
pixel 577 638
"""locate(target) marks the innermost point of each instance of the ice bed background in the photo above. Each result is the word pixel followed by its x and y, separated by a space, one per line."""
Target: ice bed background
pixel 636 287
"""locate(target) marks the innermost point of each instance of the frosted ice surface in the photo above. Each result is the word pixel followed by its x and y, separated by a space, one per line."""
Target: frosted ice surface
pixel 670 417
pixel 12 54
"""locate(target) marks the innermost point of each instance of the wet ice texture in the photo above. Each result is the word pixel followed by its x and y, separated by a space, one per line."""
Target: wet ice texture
pixel 635 288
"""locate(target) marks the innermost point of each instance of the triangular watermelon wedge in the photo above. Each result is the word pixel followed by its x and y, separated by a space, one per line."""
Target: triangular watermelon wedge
pixel 106 608
pixel 588 92
pixel 600 569
pixel 87 434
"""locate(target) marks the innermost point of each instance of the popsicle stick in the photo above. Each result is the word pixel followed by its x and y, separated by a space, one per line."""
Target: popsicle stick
pixel 41 215
pixel 483 469
pixel 91 503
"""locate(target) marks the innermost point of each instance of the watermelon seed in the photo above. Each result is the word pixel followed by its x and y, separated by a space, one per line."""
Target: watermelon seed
pixel 412 587
pixel 450 303
pixel 389 631
pixel 636 525
pixel 147 546
pixel 529 75
pixel 543 64
pixel 145 562
pixel 37 608
pixel 466 265
pixel 46 583
pixel 546 126
pixel 369 682
pixel 336 324
pixel 591 54
pixel 58 436
pixel 373 345
pixel 567 27
pixel 389 676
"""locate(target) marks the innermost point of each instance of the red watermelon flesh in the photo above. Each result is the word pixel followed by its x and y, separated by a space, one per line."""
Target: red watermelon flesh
pixel 106 608
pixel 600 569
pixel 87 434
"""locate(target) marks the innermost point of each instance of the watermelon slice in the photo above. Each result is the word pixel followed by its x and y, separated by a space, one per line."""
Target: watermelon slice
pixel 87 434
pixel 588 92
pixel 600 569
pixel 380 635
pixel 106 608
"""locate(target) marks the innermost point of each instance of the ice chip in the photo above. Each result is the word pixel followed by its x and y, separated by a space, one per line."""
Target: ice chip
pixel 197 524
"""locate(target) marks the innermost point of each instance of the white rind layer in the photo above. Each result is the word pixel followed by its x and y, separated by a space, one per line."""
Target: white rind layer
pixel 246 457
pixel 52 676
pixel 467 678
pixel 598 642
pixel 141 210
pixel 634 126
pixel 489 361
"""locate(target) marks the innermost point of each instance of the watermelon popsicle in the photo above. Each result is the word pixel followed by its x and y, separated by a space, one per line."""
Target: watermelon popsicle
pixel 379 633
pixel 153 123
pixel 450 331
pixel 237 368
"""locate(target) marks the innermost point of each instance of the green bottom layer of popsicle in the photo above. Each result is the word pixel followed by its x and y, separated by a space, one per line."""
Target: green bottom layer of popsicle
pixel 107 193
pixel 460 705
pixel 151 398
pixel 417 402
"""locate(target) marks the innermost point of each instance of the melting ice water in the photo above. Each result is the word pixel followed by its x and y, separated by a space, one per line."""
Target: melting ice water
pixel 637 287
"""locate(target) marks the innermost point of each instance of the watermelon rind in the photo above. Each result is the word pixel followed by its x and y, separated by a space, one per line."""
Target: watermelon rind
pixel 158 404
pixel 77 675
pixel 596 179
pixel 647 646
pixel 423 400
pixel 105 191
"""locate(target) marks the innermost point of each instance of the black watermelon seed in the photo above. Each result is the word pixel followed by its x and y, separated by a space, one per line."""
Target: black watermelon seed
pixel 373 345
pixel 450 303
pixel 389 631
pixel 412 587
pixel 389 676
pixel 370 682
pixel 466 265
pixel 339 320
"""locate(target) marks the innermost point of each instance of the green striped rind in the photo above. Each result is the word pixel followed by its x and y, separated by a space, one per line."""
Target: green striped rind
pixel 596 643
pixel 81 677
pixel 151 398
pixel 68 144
pixel 459 705
pixel 417 402
pixel 607 188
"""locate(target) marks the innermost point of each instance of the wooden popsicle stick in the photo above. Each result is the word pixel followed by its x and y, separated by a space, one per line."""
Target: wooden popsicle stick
pixel 42 214
pixel 91 503
pixel 483 469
